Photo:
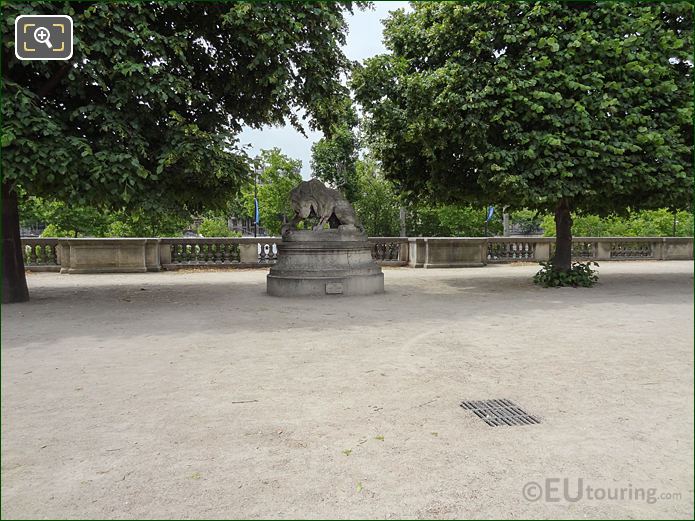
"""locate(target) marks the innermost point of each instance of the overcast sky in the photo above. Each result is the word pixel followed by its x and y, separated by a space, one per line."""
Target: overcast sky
pixel 363 41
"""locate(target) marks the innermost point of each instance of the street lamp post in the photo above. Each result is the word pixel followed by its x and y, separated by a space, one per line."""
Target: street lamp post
pixel 255 202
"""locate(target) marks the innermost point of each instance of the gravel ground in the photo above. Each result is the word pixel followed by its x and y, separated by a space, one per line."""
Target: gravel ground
pixel 195 395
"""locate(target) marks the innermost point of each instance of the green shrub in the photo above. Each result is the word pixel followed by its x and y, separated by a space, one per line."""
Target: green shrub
pixel 580 274
pixel 216 227
pixel 53 230
pixel 451 220
pixel 645 223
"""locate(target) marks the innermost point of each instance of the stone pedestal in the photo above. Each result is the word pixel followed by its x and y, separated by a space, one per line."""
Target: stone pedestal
pixel 324 262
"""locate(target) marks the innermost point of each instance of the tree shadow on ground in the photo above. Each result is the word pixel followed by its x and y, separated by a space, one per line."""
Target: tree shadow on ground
pixel 228 305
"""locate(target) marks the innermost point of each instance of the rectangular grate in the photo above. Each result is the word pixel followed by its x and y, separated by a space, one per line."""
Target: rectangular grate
pixel 499 412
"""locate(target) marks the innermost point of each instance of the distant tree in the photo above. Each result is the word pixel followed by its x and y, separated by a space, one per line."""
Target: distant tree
pixel 376 202
pixel 461 220
pixel 278 175
pixel 145 114
pixel 528 222
pixel 334 161
pixel 556 107
pixel 216 227
pixel 64 219
pixel 450 220
pixel 378 206
pixel 153 223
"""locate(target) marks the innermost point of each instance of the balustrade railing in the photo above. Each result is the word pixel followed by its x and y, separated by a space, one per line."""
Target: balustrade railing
pixel 632 249
pixel 510 249
pixel 506 249
pixel 177 253
pixel 582 248
pixel 41 254
pixel 390 251
pixel 267 252
pixel 170 253
pixel 209 252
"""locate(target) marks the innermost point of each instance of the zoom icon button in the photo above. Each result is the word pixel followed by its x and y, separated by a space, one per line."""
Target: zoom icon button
pixel 43 37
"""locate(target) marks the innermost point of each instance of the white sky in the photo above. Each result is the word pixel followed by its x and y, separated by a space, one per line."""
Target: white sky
pixel 363 41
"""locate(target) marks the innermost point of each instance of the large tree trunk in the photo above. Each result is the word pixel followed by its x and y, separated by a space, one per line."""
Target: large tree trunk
pixel 14 282
pixel 562 260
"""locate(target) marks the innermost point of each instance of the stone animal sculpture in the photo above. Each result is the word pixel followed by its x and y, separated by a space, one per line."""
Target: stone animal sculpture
pixel 313 198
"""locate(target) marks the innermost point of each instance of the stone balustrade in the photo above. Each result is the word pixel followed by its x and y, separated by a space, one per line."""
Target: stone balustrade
pixel 537 249
pixel 390 251
pixel 125 255
pixel 42 254
pixel 221 252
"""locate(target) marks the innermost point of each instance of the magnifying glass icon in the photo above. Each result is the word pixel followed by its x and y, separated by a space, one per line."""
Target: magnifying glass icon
pixel 42 35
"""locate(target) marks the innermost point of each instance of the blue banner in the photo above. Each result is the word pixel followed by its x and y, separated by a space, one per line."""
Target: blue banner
pixel 490 211
pixel 255 205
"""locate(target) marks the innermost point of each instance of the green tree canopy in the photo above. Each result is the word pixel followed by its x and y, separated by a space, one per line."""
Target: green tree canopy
pixel 146 113
pixel 551 106
pixel 334 161
pixel 334 157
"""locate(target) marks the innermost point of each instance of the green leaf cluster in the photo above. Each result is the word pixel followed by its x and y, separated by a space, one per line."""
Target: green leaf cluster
pixel 525 104
pixel 146 113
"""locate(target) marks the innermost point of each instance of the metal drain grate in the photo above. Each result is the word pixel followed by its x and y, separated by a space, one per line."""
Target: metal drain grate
pixel 500 412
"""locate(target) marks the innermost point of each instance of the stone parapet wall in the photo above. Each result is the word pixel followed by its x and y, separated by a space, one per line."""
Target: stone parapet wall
pixel 127 255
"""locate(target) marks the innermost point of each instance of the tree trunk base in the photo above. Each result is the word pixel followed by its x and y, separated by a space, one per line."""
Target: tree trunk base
pixel 562 260
pixel 14 281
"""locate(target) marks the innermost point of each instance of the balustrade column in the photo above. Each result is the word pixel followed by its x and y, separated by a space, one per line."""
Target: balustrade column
pixel 403 252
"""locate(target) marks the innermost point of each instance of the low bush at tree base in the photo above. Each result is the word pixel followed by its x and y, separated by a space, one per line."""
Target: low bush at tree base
pixel 580 274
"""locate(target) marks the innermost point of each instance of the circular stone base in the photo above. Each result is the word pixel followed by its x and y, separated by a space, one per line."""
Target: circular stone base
pixel 324 262
pixel 280 286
